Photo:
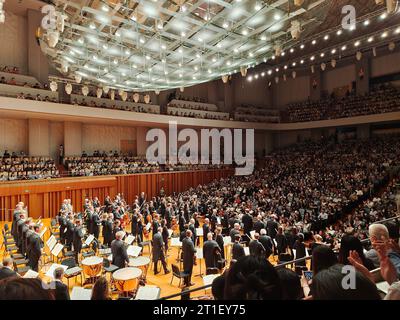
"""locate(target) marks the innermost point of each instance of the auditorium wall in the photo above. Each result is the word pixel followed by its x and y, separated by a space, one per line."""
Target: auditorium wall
pixel 14 38
pixel 101 137
pixel 338 77
pixel 291 90
pixel 386 64
pixel 13 135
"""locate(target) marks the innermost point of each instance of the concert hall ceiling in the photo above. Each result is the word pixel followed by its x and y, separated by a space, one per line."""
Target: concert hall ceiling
pixel 152 45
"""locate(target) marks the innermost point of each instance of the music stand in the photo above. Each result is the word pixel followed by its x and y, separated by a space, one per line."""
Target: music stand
pixel 199 255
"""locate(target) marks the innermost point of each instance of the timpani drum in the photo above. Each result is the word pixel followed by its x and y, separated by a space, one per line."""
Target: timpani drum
pixel 92 266
pixel 126 279
pixel 142 263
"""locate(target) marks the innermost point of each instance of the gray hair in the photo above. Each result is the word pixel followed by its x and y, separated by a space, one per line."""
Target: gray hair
pixel 263 232
pixel 378 231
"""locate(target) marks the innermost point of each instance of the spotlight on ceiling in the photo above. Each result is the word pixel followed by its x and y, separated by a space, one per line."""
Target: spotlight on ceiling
pixel 295 29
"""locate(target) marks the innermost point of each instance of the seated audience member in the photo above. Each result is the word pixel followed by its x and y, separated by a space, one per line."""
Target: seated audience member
pixel 61 289
pixel 7 271
pixel 328 285
pixel 323 258
pixel 101 290
pixel 350 243
pixel 252 278
pixel 16 288
pixel 291 286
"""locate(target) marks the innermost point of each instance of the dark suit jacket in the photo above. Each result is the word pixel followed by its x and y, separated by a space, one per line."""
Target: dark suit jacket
pixel 77 239
pixel 119 254
pixel 237 251
pixel 247 223
pixel 272 227
pixel 35 247
pixel 158 244
pixel 61 291
pixel 258 225
pixel 7 273
pixel 233 233
pixel 188 251
pixel 206 230
pixel 63 225
pixel 209 253
pixel 107 231
pixel 256 248
pixel 266 241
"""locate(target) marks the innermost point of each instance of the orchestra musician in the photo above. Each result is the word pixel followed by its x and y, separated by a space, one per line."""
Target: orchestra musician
pixel 188 253
pixel 237 248
pixel 107 221
pixel 77 239
pixel 158 251
pixel 69 232
pixel 210 250
pixel 95 219
pixel 119 255
pixel 62 220
pixel 35 250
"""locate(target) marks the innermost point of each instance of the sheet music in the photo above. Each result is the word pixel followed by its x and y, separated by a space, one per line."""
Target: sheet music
pixel 148 293
pixel 51 242
pixel 252 233
pixel 30 274
pixel 199 253
pixel 246 251
pixel 227 241
pixel 148 226
pixel 175 242
pixel 129 239
pixel 104 252
pixel 218 220
pixel 43 232
pixel 89 239
pixel 79 293
pixel 170 232
pixel 57 249
pixel 276 244
pixel 199 232
pixel 383 286
pixel 133 251
pixel 54 266
pixel 208 280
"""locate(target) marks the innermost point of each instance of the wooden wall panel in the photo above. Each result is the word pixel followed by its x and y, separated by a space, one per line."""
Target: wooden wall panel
pixel 44 197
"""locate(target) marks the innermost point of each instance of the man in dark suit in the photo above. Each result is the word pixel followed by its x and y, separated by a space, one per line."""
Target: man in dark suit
pixel 20 224
pixel 247 221
pixel 256 248
pixel 77 239
pixel 24 230
pixel 96 224
pixel 16 217
pixel 258 225
pixel 210 251
pixel 267 243
pixel 69 234
pixel 62 220
pixel 156 224
pixel 118 251
pixel 188 253
pixel 237 249
pixel 60 289
pixel 158 251
pixel 192 228
pixel 206 229
pixel 272 227
pixel 6 271
pixel 35 250
pixel 107 230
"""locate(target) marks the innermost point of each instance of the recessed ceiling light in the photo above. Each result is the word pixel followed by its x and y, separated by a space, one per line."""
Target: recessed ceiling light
pixel 301 61
pixel 285 67
pixel 302 46
pixel 322 55
pixel 245 32
pixel 291 50
pixel 344 48
pixel 357 43
pixel 262 74
pixel 92 26
pixel 339 32
pixel 383 16
pixel 183 34
pixel 225 25
pixel 370 39
pixel 269 72
pixel 384 35
pixel 277 16
pixel 263 37
pixel 366 22
pixel 257 7
pixel 397 31
pixel 326 37
pixel 104 8
pixel 333 51
pixel 314 42
pixel 294 64
pixel 277 69
pixel 312 58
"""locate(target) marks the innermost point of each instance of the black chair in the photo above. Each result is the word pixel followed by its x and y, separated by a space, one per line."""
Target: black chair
pixel 178 274
pixel 73 270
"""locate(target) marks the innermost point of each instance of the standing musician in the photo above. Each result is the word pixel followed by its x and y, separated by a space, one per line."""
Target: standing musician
pixel 62 220
pixel 107 221
pixel 95 219
pixel 35 250
pixel 77 239
pixel 69 231
pixel 119 255
pixel 158 251
pixel 188 252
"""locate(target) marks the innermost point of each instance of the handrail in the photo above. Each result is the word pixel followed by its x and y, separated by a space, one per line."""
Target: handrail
pixel 276 266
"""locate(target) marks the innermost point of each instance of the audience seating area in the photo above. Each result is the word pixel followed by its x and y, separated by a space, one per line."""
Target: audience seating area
pixel 89 101
pixel 192 109
pixel 14 167
pixel 254 114
pixel 382 100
